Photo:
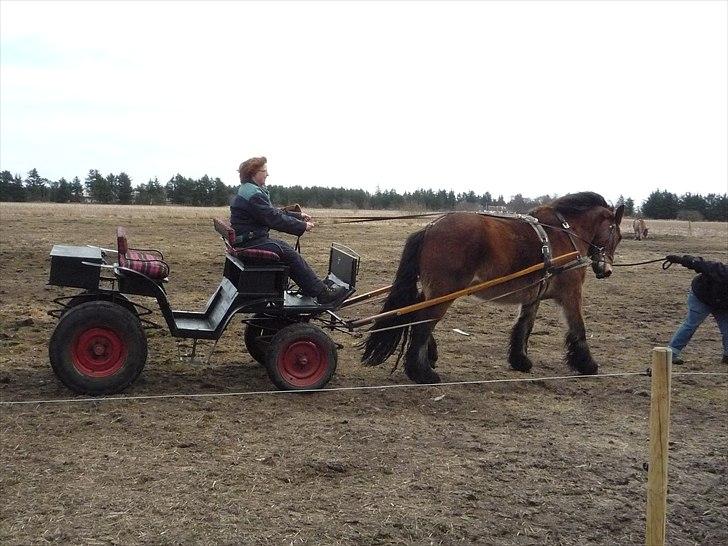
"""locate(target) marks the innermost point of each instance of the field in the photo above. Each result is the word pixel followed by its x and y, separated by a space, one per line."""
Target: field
pixel 541 462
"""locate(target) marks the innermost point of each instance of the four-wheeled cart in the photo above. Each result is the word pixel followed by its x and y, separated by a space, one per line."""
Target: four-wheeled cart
pixel 99 345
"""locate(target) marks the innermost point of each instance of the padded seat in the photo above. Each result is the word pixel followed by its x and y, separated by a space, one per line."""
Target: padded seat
pixel 247 255
pixel 147 262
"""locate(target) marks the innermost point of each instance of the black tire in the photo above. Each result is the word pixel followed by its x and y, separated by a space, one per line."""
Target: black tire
pixel 301 356
pixel 85 297
pixel 98 347
pixel 259 333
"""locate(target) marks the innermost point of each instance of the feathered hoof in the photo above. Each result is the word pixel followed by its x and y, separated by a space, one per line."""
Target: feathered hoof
pixel 421 376
pixel 520 363
pixel 587 368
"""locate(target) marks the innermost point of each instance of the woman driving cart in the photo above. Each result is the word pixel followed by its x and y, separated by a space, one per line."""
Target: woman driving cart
pixel 252 216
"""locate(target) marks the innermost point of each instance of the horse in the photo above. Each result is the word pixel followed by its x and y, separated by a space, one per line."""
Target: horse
pixel 462 249
pixel 640 229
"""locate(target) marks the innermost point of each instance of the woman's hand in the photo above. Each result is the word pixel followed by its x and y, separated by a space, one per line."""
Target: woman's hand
pixel 305 217
pixel 310 225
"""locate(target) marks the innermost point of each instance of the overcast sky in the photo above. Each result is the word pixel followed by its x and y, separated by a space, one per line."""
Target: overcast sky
pixel 507 97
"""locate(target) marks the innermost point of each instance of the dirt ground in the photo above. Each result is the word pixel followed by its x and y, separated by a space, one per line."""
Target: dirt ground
pixel 549 462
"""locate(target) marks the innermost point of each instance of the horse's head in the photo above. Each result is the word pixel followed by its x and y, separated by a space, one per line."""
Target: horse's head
pixel 606 239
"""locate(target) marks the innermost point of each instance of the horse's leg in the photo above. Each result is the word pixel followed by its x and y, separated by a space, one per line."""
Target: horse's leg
pixel 517 354
pixel 421 347
pixel 432 355
pixel 578 355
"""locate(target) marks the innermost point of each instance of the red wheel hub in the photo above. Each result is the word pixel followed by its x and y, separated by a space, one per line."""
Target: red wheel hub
pixel 98 352
pixel 303 363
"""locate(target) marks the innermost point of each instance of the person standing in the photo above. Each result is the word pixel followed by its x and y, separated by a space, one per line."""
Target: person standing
pixel 252 216
pixel 708 295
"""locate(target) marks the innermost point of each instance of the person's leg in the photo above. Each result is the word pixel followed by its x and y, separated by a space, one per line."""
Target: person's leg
pixel 301 272
pixel 721 317
pixel 697 311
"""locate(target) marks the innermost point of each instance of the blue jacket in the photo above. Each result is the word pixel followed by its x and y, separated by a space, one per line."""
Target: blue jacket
pixel 252 215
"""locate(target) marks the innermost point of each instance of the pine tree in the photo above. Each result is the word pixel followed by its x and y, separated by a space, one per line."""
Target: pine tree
pixel 76 190
pixel 37 189
pixel 124 188
pixel 11 187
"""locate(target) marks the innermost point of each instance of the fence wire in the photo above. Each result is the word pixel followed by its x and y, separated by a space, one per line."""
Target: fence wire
pixel 363 388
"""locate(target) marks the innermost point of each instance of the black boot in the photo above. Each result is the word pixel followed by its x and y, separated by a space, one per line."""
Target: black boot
pixel 331 294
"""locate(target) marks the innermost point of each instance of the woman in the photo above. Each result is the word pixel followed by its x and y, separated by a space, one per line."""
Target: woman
pixel 252 216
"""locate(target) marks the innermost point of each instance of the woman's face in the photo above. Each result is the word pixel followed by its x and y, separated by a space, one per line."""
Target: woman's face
pixel 260 175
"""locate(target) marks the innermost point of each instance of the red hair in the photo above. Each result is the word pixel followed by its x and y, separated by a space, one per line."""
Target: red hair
pixel 249 167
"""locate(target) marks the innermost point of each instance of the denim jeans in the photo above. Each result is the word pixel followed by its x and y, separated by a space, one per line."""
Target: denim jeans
pixel 301 272
pixel 697 313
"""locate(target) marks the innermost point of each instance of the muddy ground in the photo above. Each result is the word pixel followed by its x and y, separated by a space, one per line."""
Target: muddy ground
pixel 548 462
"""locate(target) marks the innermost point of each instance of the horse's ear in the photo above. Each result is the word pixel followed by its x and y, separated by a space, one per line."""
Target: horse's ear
pixel 618 214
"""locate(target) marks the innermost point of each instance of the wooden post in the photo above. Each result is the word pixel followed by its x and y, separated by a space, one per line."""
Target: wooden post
pixel 690 228
pixel 659 433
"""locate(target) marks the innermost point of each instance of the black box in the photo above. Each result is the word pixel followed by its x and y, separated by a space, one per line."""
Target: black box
pixel 68 267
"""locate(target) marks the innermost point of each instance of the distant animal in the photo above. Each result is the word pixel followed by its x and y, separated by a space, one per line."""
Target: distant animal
pixel 462 249
pixel 640 229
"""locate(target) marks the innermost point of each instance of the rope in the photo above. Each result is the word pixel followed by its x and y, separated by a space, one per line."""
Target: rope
pixel 664 260
pixel 333 389
pixel 340 389
pixel 360 219
pixel 699 373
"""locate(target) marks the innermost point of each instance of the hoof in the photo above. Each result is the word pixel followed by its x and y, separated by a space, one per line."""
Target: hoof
pixel 422 376
pixel 520 363
pixel 586 368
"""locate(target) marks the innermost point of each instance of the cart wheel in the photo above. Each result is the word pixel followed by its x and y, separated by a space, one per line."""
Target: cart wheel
pixel 98 347
pixel 85 297
pixel 259 333
pixel 301 356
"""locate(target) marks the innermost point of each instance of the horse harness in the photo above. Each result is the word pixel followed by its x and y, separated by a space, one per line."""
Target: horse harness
pixel 546 251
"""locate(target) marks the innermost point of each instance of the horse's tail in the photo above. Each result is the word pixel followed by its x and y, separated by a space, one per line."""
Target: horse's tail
pixel 379 346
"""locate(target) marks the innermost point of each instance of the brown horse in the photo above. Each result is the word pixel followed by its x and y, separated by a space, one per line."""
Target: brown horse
pixel 462 249
pixel 640 229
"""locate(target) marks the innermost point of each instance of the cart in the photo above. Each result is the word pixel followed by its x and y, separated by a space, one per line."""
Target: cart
pixel 99 345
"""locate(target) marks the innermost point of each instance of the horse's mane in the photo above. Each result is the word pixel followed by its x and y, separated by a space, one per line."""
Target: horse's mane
pixel 576 203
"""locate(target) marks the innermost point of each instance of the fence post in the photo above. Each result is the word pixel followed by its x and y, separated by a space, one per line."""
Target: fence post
pixel 659 433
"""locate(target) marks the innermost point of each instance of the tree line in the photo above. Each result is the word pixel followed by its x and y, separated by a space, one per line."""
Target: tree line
pixel 207 191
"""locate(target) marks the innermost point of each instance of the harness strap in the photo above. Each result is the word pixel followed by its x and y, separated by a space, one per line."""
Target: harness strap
pixel 542 237
pixel 567 229
pixel 549 268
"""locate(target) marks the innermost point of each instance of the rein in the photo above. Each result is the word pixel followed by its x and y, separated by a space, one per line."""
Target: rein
pixel 665 263
pixel 360 219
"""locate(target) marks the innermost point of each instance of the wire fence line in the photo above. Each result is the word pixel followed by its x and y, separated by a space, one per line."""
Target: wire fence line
pixel 645 373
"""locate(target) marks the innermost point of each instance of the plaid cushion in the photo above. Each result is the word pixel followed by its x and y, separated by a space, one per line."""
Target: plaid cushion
pixel 246 254
pixel 257 254
pixel 145 262
pixel 148 262
pixel 225 230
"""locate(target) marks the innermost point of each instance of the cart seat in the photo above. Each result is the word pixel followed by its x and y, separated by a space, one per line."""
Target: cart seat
pixel 247 255
pixel 148 262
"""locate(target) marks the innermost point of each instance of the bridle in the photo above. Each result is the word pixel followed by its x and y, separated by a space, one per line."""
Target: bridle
pixel 597 254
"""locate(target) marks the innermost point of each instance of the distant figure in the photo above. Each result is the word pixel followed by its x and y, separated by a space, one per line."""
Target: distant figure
pixel 640 229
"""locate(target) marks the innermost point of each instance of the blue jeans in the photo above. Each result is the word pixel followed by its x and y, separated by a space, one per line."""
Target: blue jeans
pixel 301 272
pixel 697 313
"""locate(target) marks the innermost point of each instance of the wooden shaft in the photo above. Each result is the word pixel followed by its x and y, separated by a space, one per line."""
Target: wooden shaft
pixel 659 435
pixel 454 295
pixel 367 296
